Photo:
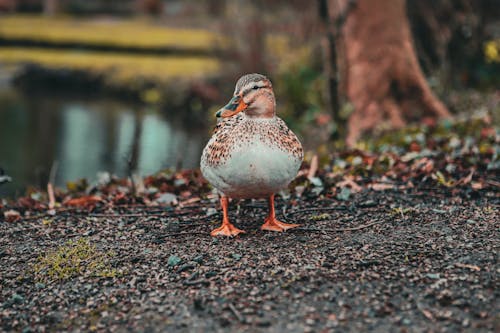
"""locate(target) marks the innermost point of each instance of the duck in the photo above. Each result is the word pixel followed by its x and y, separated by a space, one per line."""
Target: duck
pixel 252 153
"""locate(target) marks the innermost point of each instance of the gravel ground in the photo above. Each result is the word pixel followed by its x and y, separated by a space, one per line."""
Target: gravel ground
pixel 392 261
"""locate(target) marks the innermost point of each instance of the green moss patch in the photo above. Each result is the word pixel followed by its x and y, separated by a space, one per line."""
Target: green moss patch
pixel 74 258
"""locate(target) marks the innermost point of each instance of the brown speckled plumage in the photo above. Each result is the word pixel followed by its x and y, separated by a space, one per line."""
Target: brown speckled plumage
pixel 231 133
pixel 252 153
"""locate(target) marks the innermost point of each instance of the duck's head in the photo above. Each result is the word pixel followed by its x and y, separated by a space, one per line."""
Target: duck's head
pixel 253 95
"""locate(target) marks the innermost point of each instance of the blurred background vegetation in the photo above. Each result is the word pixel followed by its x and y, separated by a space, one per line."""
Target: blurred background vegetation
pixel 131 86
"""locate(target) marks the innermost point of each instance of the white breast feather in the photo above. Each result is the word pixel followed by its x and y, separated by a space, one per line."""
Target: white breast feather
pixel 254 170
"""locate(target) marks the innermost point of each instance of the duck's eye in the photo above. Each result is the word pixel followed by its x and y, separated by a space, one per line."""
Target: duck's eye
pixel 255 87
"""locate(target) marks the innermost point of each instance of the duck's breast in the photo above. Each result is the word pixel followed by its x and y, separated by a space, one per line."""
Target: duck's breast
pixel 253 169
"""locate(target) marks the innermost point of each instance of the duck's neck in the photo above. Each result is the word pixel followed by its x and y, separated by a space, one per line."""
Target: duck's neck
pixel 260 114
pixel 262 107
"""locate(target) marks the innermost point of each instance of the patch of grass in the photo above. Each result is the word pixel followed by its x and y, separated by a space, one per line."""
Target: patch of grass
pixel 441 179
pixel 74 258
pixel 489 210
pixel 401 211
pixel 138 32
pixel 121 68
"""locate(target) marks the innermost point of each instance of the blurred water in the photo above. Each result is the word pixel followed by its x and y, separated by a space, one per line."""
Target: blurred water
pixel 85 137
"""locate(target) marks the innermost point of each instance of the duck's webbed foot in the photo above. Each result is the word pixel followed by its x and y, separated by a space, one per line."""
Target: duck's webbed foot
pixel 271 223
pixel 227 228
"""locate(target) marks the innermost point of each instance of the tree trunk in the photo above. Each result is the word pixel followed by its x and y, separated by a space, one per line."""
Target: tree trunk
pixel 328 45
pixel 383 78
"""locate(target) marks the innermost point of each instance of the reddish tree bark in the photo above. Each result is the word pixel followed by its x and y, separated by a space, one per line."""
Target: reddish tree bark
pixel 381 73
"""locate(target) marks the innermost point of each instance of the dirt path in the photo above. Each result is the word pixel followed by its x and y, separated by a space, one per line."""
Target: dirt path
pixel 422 261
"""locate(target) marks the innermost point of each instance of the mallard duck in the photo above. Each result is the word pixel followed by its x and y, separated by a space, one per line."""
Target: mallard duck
pixel 252 153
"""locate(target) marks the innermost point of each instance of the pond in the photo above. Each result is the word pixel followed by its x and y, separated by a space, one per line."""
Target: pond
pixel 79 137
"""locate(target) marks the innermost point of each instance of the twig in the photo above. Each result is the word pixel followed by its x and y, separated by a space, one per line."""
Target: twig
pixel 317 209
pixel 364 226
pixel 128 215
pixel 189 224
pixel 50 187
pixel 195 282
pixel 52 199
pixel 471 267
pixel 236 313
pixel 313 168
pixel 111 215
pixel 39 216
pixel 145 214
pixel 492 182
pixel 425 312
pixel 173 234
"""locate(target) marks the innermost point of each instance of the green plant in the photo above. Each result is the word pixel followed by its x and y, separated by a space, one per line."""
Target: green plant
pixel 74 258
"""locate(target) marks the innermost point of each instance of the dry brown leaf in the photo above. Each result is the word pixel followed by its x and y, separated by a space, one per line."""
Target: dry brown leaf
pixel 423 164
pixel 83 201
pixel 369 160
pixel 12 215
pixel 349 182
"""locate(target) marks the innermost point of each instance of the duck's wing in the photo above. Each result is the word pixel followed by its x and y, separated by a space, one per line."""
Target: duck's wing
pixel 286 139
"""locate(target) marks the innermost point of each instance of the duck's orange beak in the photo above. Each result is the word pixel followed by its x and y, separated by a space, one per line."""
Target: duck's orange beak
pixel 235 105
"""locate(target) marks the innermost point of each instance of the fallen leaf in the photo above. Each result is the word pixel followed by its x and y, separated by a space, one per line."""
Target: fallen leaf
pixel 119 196
pixel 424 164
pixel 477 185
pixel 344 194
pixel 369 160
pixel 167 199
pixel 415 147
pixel 30 203
pixel 410 156
pixel 488 132
pixel 83 201
pixel 349 182
pixel 12 215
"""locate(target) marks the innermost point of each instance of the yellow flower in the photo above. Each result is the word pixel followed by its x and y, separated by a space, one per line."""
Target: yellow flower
pixel 491 51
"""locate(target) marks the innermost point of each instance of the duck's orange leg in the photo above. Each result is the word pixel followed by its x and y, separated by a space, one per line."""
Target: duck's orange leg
pixel 271 223
pixel 226 229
